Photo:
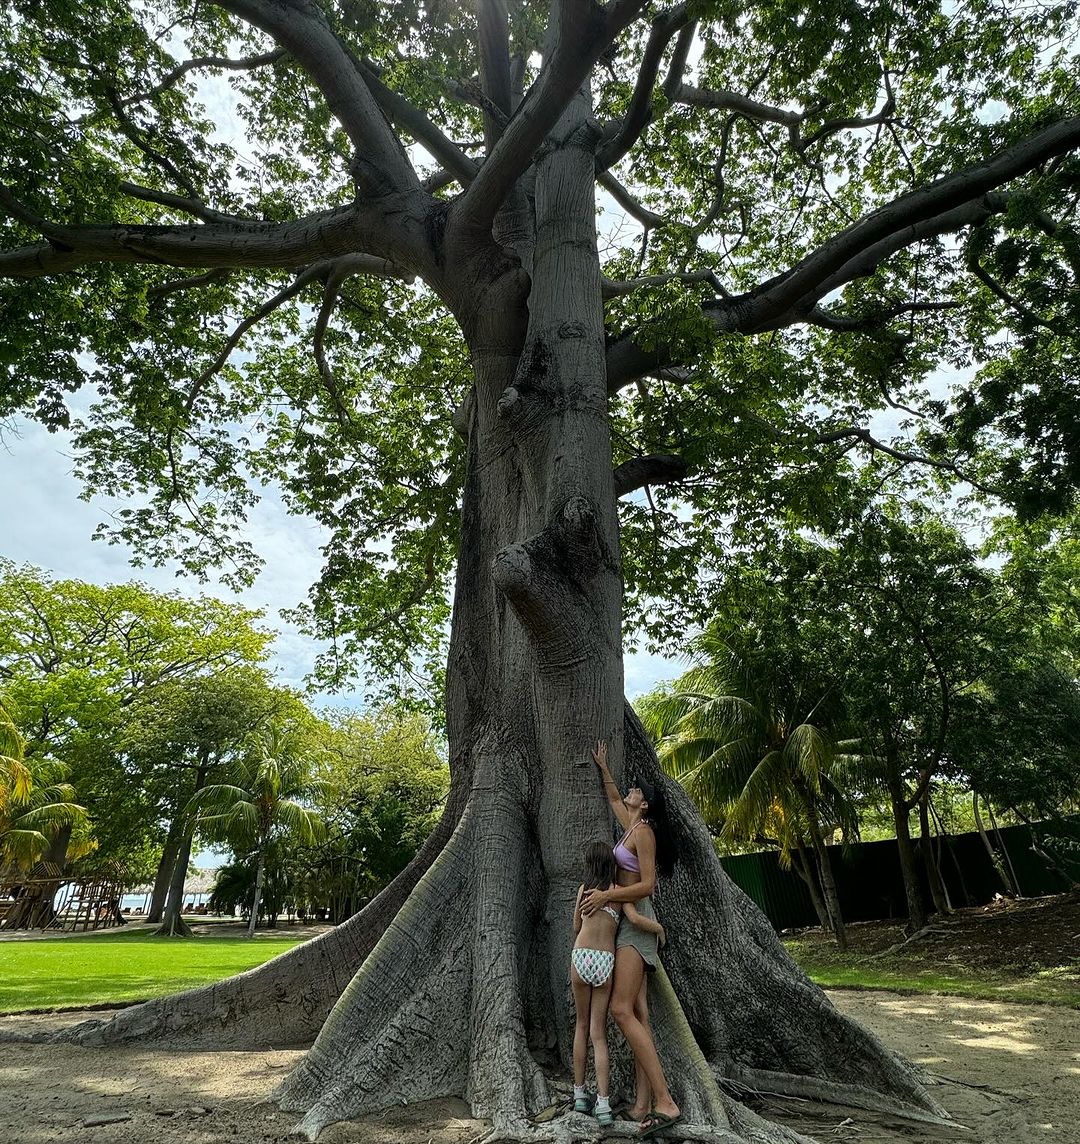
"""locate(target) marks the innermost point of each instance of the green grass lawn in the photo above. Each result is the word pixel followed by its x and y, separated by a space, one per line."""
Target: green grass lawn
pixel 1020 951
pixel 114 967
pixel 1058 985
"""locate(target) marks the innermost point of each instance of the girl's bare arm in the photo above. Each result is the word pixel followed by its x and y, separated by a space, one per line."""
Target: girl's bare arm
pixel 635 917
pixel 642 888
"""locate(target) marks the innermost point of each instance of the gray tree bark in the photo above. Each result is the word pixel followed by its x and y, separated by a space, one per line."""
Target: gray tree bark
pixel 804 867
pixel 828 883
pixel 172 920
pixel 164 875
pixel 908 865
pixel 260 871
pixel 931 860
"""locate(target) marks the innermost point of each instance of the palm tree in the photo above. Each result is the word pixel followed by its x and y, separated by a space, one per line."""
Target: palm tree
pixel 35 804
pixel 756 743
pixel 261 801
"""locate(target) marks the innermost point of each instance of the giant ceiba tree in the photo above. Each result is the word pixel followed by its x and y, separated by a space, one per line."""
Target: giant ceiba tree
pixel 373 271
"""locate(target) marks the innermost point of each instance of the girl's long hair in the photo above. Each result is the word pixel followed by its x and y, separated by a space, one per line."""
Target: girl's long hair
pixel 599 865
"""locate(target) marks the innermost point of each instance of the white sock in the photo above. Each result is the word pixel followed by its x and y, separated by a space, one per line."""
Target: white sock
pixel 579 1092
pixel 602 1104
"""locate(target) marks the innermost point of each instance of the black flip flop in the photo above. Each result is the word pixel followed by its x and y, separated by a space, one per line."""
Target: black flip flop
pixel 660 1123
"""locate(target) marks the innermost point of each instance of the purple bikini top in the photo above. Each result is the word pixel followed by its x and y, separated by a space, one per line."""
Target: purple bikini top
pixel 625 858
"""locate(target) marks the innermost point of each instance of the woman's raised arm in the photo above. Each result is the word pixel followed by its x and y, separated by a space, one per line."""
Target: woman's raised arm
pixel 610 789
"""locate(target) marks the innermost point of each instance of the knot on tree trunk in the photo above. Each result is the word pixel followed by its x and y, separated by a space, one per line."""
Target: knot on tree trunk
pixel 461 418
pixel 547 581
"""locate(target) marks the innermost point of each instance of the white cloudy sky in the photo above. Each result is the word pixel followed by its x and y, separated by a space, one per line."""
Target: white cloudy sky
pixel 43 522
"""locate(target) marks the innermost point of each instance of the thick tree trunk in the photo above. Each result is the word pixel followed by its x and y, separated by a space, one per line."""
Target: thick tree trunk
pixel 58 847
pixel 461 986
pixel 172 920
pixel 804 867
pixel 828 884
pixel 164 872
pixel 931 864
pixel 256 902
pixel 908 866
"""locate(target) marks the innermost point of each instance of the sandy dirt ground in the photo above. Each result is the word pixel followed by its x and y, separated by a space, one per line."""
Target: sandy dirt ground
pixel 1014 1078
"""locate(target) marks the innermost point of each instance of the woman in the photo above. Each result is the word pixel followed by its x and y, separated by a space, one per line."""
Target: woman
pixel 636 951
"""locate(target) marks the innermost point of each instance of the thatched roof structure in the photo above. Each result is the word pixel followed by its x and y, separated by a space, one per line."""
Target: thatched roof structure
pixel 200 882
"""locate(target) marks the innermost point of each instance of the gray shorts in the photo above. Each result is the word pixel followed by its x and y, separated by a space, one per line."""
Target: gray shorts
pixel 647 944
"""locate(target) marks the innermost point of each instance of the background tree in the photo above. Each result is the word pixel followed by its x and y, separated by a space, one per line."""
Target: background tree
pixel 35 805
pixel 385 785
pixel 779 155
pixel 283 883
pixel 1016 742
pixel 78 660
pixel 755 738
pixel 926 622
pixel 262 800
pixel 179 737
pixel 917 623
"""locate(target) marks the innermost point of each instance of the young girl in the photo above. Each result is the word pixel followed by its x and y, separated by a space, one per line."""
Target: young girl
pixel 591 962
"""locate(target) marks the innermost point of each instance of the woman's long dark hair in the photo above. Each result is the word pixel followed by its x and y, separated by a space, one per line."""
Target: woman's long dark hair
pixel 657 817
pixel 599 865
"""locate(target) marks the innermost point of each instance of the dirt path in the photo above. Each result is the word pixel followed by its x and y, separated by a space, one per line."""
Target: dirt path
pixel 1028 1055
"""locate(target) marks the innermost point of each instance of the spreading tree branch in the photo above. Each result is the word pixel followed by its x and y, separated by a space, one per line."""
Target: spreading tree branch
pixel 640 112
pixel 722 99
pixel 584 31
pixel 892 226
pixel 493 41
pixel 656 469
pixel 344 230
pixel 856 433
pixel 381 166
pixel 650 220
pixel 616 287
pixel 412 120
pixel 679 57
pixel 340 270
pixel 829 320
pixel 304 278
pixel 192 281
pixel 965 198
pixel 131 130
pixel 179 202
pixel 248 63
pixel 999 291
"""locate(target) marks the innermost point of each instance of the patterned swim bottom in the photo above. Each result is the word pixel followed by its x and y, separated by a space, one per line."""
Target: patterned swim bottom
pixel 594 966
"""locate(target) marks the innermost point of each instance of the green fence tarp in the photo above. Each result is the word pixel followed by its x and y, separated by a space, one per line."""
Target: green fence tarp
pixel 870 885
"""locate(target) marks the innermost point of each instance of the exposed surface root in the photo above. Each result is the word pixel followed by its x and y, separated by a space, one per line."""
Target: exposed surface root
pixel 396 1033
pixel 576 1128
pixel 502 1073
pixel 832 1092
pixel 688 1073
